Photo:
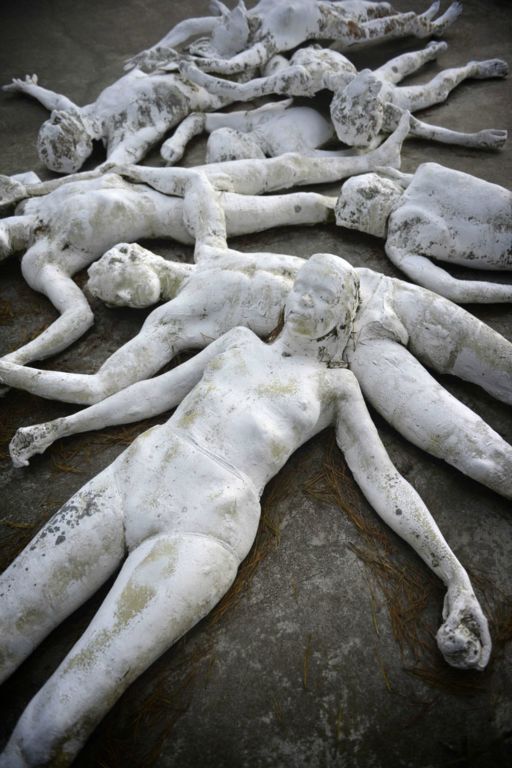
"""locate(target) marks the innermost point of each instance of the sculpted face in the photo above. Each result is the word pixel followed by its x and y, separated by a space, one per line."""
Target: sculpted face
pixel 357 111
pixel 63 143
pixel 323 299
pixel 366 202
pixel 123 278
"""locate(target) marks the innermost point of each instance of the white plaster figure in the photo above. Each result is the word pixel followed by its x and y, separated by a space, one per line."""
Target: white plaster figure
pixel 395 328
pixel 242 39
pixel 367 103
pixel 436 213
pixel 69 228
pixel 268 131
pixel 183 502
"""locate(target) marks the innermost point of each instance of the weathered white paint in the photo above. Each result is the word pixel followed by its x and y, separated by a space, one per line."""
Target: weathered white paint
pixel 183 499
pixel 241 39
pixel 436 213
pixel 367 103
pixel 67 229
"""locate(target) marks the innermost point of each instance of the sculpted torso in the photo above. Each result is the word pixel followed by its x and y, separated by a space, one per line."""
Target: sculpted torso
pixel 454 217
pixel 254 405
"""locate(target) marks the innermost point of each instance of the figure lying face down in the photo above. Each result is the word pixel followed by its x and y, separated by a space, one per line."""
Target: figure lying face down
pixel 435 213
pixel 182 502
pixel 395 328
pixel 365 103
pixel 69 228
pixel 241 39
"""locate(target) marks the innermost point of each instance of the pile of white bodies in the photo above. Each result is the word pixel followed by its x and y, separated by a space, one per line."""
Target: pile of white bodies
pixel 179 509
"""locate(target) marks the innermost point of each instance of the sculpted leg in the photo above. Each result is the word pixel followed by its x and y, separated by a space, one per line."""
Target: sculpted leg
pixel 407 396
pixel 396 69
pixel 415 97
pixel 68 560
pixel 167 585
pixel 450 340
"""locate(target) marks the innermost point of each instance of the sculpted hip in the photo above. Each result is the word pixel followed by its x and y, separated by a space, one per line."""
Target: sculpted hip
pixel 169 484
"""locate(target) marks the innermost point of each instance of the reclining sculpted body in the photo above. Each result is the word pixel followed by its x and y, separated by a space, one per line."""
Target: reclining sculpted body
pixel 396 328
pixel 68 229
pixel 183 501
pixel 364 103
pixel 242 39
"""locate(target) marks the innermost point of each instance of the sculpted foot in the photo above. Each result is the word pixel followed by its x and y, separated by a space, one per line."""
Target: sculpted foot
pixel 28 441
pixel 491 139
pixel 443 22
pixel 490 68
pixel 464 638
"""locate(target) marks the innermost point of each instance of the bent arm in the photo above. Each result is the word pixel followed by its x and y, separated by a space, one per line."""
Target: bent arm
pixel 75 319
pixel 423 272
pixel 463 638
pixel 204 217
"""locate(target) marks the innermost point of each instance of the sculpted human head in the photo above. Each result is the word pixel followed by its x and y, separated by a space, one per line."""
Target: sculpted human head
pixel 357 110
pixel 64 143
pixel 366 202
pixel 125 277
pixel 323 301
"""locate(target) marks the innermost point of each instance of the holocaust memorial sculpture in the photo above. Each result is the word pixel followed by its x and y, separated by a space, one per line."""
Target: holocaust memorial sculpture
pixel 286 346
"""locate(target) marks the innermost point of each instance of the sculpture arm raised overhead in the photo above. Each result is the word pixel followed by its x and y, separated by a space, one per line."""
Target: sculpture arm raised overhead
pixel 463 638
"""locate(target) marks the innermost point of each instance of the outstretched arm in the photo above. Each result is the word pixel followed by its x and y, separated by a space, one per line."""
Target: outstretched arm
pixel 423 272
pixel 135 403
pixel 464 637
pixel 75 316
pixel 255 177
pixel 48 99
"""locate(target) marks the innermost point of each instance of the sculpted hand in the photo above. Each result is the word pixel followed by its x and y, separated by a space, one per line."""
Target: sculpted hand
pixel 20 84
pixel 11 191
pixel 464 638
pixel 491 139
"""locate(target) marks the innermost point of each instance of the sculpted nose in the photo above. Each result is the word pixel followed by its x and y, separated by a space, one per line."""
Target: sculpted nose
pixel 306 300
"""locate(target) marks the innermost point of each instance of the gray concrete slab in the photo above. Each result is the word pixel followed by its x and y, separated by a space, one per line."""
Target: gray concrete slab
pixel 300 668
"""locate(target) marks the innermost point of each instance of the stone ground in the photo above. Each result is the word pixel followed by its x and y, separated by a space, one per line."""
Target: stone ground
pixel 302 666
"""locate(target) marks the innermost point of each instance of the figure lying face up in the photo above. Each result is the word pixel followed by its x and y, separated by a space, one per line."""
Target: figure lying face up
pixel 182 503
pixel 66 230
